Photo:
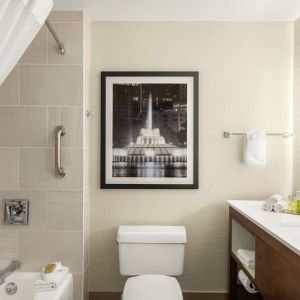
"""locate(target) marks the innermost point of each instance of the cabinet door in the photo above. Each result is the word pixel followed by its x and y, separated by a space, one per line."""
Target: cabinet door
pixel 276 278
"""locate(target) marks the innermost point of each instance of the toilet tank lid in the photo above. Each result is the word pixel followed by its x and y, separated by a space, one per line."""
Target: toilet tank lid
pixel 151 234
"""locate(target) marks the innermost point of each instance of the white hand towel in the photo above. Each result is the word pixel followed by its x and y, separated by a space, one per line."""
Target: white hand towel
pixel 248 265
pixel 255 148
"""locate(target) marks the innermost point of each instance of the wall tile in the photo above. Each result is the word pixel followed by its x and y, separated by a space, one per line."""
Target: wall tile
pixel 86 284
pixel 66 16
pixel 51 85
pixel 23 126
pixel 37 51
pixel 86 247
pixel 51 246
pixel 37 209
pixel 10 89
pixel 8 168
pixel 71 118
pixel 64 210
pixel 78 286
pixel 86 207
pixel 8 245
pixel 37 169
pixel 86 168
pixel 71 34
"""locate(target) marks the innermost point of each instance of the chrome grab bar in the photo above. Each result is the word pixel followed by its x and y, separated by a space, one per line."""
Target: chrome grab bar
pixel 59 132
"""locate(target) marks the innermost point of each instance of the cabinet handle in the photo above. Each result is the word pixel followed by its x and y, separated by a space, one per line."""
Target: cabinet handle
pixel 59 132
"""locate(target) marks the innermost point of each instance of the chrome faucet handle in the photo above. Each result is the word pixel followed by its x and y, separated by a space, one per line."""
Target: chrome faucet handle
pixel 16 264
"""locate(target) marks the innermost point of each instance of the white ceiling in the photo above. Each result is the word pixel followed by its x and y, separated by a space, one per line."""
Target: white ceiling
pixel 185 10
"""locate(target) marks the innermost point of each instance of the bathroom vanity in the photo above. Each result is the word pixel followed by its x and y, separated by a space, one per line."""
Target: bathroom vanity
pixel 276 241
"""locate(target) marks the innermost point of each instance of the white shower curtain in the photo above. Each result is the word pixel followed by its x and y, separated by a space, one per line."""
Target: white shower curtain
pixel 20 21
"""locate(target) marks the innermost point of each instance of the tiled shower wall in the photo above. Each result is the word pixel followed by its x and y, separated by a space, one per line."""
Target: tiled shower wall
pixel 45 90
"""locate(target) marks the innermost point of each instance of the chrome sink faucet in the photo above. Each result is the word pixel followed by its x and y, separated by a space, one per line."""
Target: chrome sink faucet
pixel 13 266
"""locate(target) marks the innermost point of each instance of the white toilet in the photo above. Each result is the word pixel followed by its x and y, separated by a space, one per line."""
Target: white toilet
pixel 154 253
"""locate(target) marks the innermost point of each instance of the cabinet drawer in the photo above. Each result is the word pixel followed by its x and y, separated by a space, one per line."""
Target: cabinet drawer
pixel 276 278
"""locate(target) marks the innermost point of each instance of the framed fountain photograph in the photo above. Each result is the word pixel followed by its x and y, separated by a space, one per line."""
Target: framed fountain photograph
pixel 149 130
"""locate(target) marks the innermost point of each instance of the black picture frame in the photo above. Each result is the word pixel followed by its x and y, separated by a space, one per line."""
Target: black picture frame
pixel 191 75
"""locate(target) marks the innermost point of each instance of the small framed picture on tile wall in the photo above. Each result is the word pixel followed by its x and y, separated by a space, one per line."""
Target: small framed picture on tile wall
pixel 149 130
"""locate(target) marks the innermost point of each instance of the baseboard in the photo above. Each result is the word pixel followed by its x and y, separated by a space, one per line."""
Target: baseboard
pixel 186 296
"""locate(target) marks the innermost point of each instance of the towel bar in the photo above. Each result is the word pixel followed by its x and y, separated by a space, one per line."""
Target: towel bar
pixel 228 134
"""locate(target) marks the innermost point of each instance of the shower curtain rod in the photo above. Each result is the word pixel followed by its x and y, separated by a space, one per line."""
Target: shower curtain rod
pixel 60 45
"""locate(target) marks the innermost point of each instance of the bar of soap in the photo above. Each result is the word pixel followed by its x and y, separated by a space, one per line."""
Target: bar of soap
pixel 50 268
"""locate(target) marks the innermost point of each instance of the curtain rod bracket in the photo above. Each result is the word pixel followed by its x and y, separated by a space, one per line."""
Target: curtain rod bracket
pixel 60 45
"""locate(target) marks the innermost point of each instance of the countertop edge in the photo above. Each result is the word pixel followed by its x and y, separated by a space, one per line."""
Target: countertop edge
pixel 273 234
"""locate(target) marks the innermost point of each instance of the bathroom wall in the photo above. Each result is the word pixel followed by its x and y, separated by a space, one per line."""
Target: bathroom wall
pixel 44 90
pixel 296 177
pixel 246 74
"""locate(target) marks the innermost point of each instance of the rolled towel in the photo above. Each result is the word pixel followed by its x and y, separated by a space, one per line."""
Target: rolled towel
pixel 274 199
pixel 280 206
pixel 247 257
pixel 267 206
pixel 51 281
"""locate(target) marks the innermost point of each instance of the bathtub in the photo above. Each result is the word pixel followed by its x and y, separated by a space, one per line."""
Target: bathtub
pixel 26 289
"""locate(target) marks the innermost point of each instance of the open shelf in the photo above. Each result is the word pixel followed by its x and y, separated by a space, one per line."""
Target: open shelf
pixel 249 272
pixel 242 239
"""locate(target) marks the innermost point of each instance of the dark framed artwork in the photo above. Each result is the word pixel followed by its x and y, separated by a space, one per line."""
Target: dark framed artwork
pixel 149 130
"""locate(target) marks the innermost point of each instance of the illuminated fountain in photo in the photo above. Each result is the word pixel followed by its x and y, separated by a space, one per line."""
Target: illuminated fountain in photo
pixel 150 146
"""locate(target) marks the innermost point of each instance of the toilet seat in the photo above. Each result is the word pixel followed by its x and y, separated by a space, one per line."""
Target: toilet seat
pixel 152 287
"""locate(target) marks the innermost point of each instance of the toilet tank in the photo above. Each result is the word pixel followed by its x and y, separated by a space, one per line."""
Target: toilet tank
pixel 151 250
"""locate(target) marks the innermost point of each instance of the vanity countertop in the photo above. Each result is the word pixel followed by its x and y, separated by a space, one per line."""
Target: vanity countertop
pixel 283 227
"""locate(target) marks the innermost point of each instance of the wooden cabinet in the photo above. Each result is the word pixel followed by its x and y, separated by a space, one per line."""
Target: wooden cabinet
pixel 275 276
pixel 277 268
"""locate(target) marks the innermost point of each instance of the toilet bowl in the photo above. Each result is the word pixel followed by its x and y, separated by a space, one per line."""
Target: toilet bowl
pixel 151 254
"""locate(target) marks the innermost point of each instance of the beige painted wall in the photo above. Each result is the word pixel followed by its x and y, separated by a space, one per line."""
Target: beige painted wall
pixel 245 83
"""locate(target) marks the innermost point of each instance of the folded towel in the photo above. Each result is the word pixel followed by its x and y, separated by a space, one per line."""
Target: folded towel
pixel 248 265
pixel 255 148
pixel 51 281
pixel 247 257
